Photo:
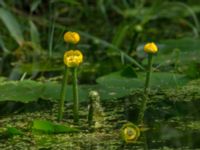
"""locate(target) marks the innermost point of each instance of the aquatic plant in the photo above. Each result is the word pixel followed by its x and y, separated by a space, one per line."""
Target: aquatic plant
pixel 95 113
pixel 130 132
pixel 72 59
pixel 71 37
pixel 150 49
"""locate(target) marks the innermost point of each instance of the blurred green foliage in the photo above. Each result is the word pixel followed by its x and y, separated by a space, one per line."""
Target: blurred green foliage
pixel 112 37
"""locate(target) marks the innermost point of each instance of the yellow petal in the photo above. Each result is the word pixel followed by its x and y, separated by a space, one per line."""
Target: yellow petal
pixel 71 37
pixel 73 58
pixel 150 48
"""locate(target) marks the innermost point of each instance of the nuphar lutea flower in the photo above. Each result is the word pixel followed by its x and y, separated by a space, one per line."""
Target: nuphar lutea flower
pixel 150 48
pixel 130 133
pixel 73 58
pixel 71 37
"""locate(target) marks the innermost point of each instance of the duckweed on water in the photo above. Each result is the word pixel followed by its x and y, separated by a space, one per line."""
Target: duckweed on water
pixel 170 125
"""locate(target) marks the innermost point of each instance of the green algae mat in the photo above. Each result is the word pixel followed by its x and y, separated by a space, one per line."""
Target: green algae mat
pixel 172 122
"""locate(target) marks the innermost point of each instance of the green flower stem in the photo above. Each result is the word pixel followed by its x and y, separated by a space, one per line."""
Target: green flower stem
pixel 75 95
pixel 148 75
pixel 62 94
pixel 146 90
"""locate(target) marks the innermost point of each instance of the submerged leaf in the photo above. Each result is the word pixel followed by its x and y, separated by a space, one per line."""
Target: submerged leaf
pixel 43 126
pixel 11 131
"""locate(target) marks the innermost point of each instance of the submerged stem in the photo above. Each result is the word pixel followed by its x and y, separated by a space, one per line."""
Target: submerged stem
pixel 146 90
pixel 75 96
pixel 62 94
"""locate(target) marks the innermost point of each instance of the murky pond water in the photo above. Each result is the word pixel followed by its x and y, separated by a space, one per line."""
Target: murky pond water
pixel 169 125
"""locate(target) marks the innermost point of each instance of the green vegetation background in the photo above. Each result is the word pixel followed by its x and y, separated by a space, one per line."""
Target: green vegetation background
pixel 112 37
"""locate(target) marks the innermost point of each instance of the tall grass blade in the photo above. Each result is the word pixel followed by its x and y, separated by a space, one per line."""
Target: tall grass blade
pixel 35 36
pixel 109 45
pixel 13 26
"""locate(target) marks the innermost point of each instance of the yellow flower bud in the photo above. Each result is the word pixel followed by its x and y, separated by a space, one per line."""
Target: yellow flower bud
pixel 73 58
pixel 151 48
pixel 71 37
pixel 130 132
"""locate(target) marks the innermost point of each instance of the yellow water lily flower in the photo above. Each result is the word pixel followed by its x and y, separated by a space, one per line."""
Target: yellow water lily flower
pixel 130 132
pixel 73 58
pixel 71 37
pixel 151 48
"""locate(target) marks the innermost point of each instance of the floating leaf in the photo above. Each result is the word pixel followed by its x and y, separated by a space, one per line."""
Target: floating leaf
pixel 21 91
pixel 116 79
pixel 158 80
pixel 165 80
pixel 64 129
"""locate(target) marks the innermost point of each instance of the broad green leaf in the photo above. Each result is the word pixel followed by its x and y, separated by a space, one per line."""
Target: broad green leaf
pixel 116 79
pixel 43 126
pixel 165 80
pixel 113 92
pixel 12 24
pixel 52 91
pixel 21 91
pixel 158 80
pixel 64 129
pixel 111 86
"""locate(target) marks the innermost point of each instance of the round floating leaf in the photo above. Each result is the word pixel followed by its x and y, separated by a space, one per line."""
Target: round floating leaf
pixel 20 91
